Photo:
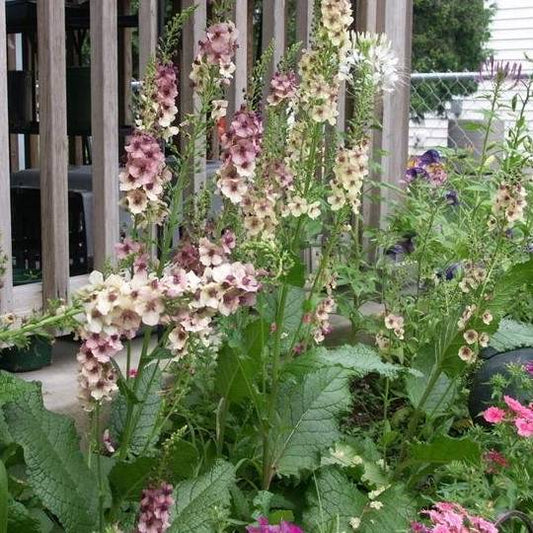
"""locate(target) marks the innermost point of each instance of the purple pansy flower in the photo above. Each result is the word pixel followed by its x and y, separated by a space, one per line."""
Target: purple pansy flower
pixel 452 198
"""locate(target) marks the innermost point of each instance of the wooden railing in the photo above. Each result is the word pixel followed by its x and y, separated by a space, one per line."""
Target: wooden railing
pixel 392 16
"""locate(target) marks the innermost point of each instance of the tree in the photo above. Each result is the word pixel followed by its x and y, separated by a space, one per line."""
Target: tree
pixel 448 36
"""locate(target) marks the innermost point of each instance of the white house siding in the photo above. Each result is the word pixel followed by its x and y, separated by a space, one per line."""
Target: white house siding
pixel 511 38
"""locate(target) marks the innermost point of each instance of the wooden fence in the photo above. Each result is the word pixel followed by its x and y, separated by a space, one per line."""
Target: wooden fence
pixel 111 61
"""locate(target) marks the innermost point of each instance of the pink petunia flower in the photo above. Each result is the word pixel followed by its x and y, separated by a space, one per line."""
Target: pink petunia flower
pixel 494 415
pixel 524 427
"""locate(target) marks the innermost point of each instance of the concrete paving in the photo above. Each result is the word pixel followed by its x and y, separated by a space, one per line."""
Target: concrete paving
pixel 59 383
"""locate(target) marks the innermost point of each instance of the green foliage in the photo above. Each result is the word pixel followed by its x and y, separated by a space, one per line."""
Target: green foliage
pixel 511 335
pixel 307 408
pixel 3 498
pixel 332 501
pixel 198 499
pixel 360 359
pixel 20 520
pixel 127 478
pixel 442 393
pixel 448 36
pixel 395 515
pixel 445 449
pixel 147 390
pixel 56 468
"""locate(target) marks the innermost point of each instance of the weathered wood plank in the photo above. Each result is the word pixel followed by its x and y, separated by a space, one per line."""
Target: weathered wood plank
pixel 304 20
pixel 390 144
pixel 6 285
pixel 238 87
pixel 54 149
pixel 125 69
pixel 193 31
pixel 395 136
pixel 148 33
pixel 274 30
pixel 104 119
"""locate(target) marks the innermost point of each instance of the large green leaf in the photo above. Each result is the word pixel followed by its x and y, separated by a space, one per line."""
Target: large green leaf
pixel 127 478
pixel 197 498
pixel 511 335
pixel 332 501
pixel 446 449
pixel 12 388
pixel 360 359
pixel 443 392
pixel 395 515
pixel 293 311
pixel 56 469
pixel 308 405
pixel 20 520
pixel 517 278
pixel 148 391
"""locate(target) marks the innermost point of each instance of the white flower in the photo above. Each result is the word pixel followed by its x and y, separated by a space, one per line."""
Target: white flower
pixel 355 523
pixel 376 505
pixel 373 50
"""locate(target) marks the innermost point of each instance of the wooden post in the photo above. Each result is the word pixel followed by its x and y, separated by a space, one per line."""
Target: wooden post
pixel 54 153
pixel 274 30
pixel 304 20
pixel 147 33
pixel 6 284
pixel 395 136
pixel 193 31
pixel 390 145
pixel 104 126
pixel 238 87
pixel 125 62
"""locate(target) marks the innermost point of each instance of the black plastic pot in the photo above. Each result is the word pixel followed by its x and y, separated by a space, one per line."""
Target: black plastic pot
pixel 36 355
pixel 495 363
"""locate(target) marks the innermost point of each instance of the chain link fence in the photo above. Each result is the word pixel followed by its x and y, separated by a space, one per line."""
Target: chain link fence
pixel 447 108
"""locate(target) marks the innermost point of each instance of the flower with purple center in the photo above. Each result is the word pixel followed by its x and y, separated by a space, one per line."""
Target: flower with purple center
pixel 428 167
pixel 528 367
pixel 452 198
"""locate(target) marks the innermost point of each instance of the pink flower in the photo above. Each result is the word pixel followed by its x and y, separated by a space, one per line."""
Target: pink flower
pixel 127 247
pixel 495 461
pixel 282 86
pixel 108 443
pixel 524 427
pixel 494 415
pixel 518 408
pixel 264 527
pixel 155 508
pixel 449 517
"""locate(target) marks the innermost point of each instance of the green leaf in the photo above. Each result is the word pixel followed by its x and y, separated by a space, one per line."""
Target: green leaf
pixel 395 515
pixel 237 364
pixel 511 335
pixel 360 359
pixel 184 459
pixel 56 469
pixel 442 394
pixel 197 498
pixel 128 478
pixel 3 498
pixel 446 449
pixel 332 501
pixel 509 285
pixel 293 311
pixel 12 388
pixel 308 405
pixel 20 520
pixel 148 392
